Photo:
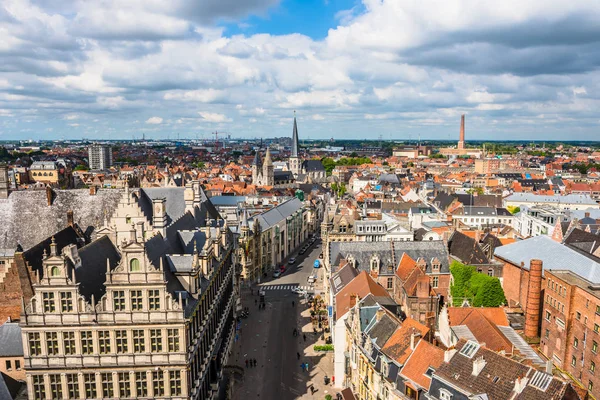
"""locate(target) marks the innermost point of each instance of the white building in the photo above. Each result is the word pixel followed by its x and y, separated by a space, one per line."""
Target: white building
pixel 566 202
pixel 100 157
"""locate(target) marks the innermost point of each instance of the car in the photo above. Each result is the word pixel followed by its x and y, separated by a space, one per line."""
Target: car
pixel 292 260
pixel 276 274
pixel 302 250
pixel 282 269
pixel 299 291
pixel 311 279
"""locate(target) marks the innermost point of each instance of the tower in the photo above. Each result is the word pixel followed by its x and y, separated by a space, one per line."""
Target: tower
pixel 4 184
pixel 461 141
pixel 268 174
pixel 294 161
pixel 257 169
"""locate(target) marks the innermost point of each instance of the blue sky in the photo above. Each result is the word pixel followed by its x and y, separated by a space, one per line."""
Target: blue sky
pixel 351 69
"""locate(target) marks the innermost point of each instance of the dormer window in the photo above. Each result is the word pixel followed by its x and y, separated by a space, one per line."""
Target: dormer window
pixel 134 265
pixel 55 271
pixel 375 264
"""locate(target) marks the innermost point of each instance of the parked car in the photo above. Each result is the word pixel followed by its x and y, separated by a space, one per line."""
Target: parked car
pixel 292 260
pixel 302 250
pixel 276 274
pixel 282 268
pixel 311 279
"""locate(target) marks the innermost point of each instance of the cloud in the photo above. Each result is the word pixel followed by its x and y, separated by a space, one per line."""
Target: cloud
pixel 154 120
pixel 213 117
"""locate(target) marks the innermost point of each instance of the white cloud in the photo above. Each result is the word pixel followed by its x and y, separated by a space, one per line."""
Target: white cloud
pixel 154 120
pixel 213 117
pixel 318 117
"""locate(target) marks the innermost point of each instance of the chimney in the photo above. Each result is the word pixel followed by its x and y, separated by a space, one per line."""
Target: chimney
pixel 92 190
pixel 379 314
pixel 159 216
pixel 448 354
pixel 461 141
pixel 197 193
pixel 188 197
pixel 139 231
pixel 587 214
pixel 520 384
pixel 549 367
pixel 70 221
pixel 414 340
pixel 353 298
pixel 478 365
pixel 532 310
pixel 49 195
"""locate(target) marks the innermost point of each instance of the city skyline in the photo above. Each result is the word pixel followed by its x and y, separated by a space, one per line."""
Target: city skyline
pixel 517 71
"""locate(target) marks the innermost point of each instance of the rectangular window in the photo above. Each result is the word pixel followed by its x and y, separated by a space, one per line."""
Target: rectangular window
pixel 596 328
pixel 119 300
pixel 435 282
pixel 390 283
pixel 103 342
pixel 89 381
pixel 155 340
pixel 173 338
pixel 578 315
pixel 598 309
pixel 87 343
pixel 56 387
pixel 592 367
pixel 573 361
pixel 18 365
pixel 121 340
pixel 136 300
pixel 8 365
pixel 175 383
pixel 591 386
pixel 66 302
pixel 52 343
pixel 72 386
pixel 138 341
pixel 547 333
pixel 548 315
pixel 154 299
pixel 594 346
pixel 124 385
pixel 560 323
pixel 48 301
pixel 140 384
pixel 35 344
pixel 575 342
pixel 39 391
pixel 107 384
pixel 69 342
pixel 158 384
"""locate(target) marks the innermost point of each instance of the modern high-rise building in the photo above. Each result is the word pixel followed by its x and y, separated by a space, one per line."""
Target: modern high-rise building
pixel 100 157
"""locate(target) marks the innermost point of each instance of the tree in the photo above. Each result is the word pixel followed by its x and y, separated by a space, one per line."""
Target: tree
pixel 81 168
pixel 480 289
pixel 513 209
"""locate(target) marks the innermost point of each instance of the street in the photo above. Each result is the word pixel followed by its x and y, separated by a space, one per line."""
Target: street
pixel 267 336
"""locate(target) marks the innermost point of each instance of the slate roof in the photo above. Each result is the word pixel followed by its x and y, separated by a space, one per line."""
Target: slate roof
pixel 174 206
pixel 380 331
pixel 276 214
pixel 555 256
pixel 466 249
pixel 11 342
pixel 538 198
pixel 342 277
pixel 92 273
pixel 443 200
pixel 313 166
pixel 280 176
pixel 583 240
pixel 389 253
pixel 482 200
pixel 27 219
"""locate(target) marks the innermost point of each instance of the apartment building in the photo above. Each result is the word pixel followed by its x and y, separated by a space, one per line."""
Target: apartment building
pixel 100 157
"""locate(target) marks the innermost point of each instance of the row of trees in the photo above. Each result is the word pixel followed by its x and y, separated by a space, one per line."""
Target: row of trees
pixel 479 289
pixel 329 163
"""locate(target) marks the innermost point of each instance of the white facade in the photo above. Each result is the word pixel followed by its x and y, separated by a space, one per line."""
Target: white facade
pixel 100 157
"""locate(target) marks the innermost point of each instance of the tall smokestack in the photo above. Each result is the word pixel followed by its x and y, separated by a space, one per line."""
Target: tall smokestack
pixel 532 310
pixel 461 141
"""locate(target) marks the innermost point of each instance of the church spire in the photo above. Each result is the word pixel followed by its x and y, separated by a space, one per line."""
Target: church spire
pixel 295 145
pixel 268 161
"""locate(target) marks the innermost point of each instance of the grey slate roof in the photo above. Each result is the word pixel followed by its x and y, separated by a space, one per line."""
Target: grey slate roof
pixel 362 252
pixel 275 215
pixel 538 198
pixel 343 277
pixel 27 219
pixel 380 331
pixel 11 342
pixel 92 274
pixel 279 176
pixel 175 204
pixel 227 201
pixel 555 256
pixel 313 166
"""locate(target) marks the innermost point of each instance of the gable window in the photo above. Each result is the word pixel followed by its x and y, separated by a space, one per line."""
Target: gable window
pixel 119 300
pixel 48 301
pixel 154 299
pixel 134 265
pixel 445 395
pixel 55 271
pixel 66 303
pixel 136 300
pixel 390 283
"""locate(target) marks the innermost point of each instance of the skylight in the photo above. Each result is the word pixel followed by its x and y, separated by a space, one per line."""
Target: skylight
pixel 469 349
pixel 429 372
pixel 541 380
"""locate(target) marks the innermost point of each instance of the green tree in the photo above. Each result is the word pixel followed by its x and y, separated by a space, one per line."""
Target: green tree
pixel 461 276
pixel 81 168
pixel 513 209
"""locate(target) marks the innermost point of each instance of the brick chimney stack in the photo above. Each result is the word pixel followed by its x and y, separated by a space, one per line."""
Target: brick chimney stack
pixel 353 300
pixel 70 219
pixel 49 195
pixel 532 309
pixel 461 141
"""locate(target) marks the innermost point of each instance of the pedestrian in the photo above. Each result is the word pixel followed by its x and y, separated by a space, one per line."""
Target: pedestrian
pixel 255 301
pixel 250 363
pixel 246 363
pixel 298 355
pixel 302 366
pixel 306 367
pixel 255 362
pixel 304 336
pixel 293 304
pixel 312 389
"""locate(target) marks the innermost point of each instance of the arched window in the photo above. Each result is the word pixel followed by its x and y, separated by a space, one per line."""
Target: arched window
pixel 55 271
pixel 128 220
pixel 134 265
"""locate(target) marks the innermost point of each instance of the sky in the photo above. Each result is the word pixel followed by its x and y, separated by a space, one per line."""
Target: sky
pixel 353 69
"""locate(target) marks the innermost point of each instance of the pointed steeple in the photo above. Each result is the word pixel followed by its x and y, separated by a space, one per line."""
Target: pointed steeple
pixel 257 161
pixel 295 145
pixel 268 162
pixel 245 219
